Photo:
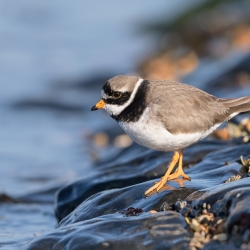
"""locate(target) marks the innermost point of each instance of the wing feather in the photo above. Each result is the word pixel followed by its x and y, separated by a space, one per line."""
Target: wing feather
pixel 183 108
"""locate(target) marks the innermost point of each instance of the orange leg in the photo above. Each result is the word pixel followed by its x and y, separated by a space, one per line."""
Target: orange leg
pixel 179 171
pixel 164 179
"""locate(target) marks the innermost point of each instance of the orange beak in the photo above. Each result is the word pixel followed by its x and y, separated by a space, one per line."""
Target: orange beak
pixel 99 105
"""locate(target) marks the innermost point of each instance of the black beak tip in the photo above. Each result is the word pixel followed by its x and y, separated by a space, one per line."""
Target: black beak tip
pixel 94 108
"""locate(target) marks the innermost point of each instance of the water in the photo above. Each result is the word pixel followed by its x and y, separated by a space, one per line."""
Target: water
pixel 43 44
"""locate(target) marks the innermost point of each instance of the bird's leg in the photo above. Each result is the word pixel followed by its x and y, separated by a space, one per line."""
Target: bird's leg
pixel 179 171
pixel 164 179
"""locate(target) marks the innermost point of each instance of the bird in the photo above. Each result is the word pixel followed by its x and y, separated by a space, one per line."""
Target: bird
pixel 166 115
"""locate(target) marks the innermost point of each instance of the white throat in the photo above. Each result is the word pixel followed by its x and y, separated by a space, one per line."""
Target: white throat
pixel 113 109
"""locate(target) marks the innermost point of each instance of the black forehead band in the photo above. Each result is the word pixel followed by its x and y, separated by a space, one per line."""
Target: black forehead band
pixel 119 101
pixel 107 89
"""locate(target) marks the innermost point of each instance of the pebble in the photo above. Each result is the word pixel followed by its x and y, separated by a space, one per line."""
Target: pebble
pixel 152 212
pixel 179 205
pixel 165 207
pixel 122 141
pixel 233 178
pixel 220 237
pixel 204 219
pixel 101 139
pixel 196 226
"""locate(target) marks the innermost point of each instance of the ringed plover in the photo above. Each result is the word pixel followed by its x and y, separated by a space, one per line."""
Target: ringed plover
pixel 166 115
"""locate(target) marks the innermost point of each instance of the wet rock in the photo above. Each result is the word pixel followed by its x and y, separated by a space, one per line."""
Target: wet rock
pixel 91 208
pixel 226 219
pixel 213 195
pixel 165 230
pixel 93 218
pixel 150 165
pixel 237 203
pixel 115 200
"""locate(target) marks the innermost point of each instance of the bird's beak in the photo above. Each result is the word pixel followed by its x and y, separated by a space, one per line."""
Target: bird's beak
pixel 99 105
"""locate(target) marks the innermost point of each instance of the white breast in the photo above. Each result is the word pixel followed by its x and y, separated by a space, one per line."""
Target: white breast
pixel 152 134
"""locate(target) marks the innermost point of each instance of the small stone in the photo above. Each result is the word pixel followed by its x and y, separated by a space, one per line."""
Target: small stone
pixel 219 221
pixel 197 227
pixel 179 205
pixel 101 139
pixel 246 139
pixel 166 207
pixel 222 134
pixel 204 211
pixel 186 210
pixel 105 244
pixel 220 237
pixel 204 219
pixel 122 141
pixel 187 220
pixel 152 212
pixel 233 178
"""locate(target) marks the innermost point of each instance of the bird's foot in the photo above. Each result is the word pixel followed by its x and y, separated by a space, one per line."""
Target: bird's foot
pixel 157 186
pixel 177 174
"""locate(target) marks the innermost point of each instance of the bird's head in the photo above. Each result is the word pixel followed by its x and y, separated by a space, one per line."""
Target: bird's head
pixel 117 93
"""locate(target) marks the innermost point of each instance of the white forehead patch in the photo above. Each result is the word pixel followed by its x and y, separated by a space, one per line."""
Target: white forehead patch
pixel 103 95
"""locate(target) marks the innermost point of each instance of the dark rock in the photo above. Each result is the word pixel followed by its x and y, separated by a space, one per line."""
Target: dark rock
pixel 165 230
pixel 214 195
pixel 91 208
pixel 150 165
pixel 238 204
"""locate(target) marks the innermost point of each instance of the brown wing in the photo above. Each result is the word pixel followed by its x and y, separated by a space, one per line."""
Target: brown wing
pixel 183 108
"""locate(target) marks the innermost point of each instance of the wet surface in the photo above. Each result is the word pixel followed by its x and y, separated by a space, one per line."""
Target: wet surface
pixel 150 231
pixel 64 187
pixel 208 185
pixel 148 165
pixel 212 172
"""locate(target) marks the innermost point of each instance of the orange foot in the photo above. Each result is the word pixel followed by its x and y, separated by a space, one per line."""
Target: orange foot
pixel 179 172
pixel 161 183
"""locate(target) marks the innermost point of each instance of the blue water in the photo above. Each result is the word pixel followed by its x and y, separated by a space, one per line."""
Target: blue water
pixel 44 43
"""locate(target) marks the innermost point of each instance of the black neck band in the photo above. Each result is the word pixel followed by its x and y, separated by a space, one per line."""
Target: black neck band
pixel 133 112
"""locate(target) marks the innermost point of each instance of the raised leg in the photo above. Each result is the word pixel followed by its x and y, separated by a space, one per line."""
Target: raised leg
pixel 164 179
pixel 179 171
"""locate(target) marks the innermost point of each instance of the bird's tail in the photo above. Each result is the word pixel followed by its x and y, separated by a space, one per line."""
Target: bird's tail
pixel 237 105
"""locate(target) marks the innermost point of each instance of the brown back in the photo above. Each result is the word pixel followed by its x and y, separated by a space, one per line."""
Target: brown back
pixel 185 109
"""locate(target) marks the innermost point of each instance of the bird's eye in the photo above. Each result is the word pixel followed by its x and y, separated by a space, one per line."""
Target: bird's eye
pixel 117 94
